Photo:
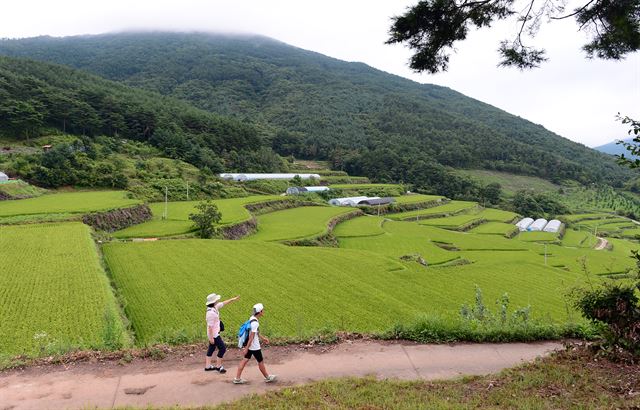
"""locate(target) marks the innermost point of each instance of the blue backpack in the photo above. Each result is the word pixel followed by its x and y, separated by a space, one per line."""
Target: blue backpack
pixel 243 332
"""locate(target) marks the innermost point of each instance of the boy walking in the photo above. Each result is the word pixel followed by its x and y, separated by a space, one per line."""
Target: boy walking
pixel 252 348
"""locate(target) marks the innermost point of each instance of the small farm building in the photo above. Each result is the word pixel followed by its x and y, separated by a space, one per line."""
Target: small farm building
pixel 3 177
pixel 297 190
pixel 538 225
pixel 553 226
pixel 349 201
pixel 377 201
pixel 524 224
pixel 253 177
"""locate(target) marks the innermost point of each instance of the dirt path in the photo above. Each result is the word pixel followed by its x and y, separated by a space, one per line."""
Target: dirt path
pixel 602 244
pixel 181 380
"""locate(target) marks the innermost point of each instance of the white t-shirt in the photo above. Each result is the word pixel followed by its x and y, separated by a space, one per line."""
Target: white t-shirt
pixel 213 320
pixel 255 343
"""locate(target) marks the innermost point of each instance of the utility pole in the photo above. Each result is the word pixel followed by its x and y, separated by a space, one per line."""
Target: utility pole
pixel 545 254
pixel 187 190
pixel 166 205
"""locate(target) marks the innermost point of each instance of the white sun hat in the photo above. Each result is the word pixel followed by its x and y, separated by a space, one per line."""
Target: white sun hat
pixel 212 298
pixel 258 307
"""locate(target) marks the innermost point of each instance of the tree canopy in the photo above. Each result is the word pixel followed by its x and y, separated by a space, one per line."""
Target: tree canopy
pixel 432 27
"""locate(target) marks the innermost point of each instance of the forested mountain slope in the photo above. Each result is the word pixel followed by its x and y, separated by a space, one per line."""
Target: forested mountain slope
pixel 366 121
pixel 37 97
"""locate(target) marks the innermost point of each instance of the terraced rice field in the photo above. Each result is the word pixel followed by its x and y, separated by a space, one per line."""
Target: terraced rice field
pixel 497 215
pixel 399 239
pixel 451 207
pixel 578 239
pixel 451 222
pixel 631 233
pixel 178 223
pixel 296 223
pixel 536 236
pixel 586 217
pixel 66 203
pixel 415 198
pixel 308 289
pixel 494 228
pixel 54 295
pixel 366 225
pixel 363 186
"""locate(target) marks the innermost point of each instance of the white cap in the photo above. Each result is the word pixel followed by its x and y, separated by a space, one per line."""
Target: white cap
pixel 212 298
pixel 258 307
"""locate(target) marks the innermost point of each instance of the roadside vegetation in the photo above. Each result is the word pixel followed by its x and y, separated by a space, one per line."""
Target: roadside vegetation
pixel 569 379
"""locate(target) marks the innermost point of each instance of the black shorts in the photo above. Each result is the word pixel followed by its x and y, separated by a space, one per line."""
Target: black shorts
pixel 255 353
pixel 219 343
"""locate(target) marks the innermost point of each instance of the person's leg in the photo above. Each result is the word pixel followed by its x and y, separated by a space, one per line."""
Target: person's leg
pixel 263 369
pixel 222 349
pixel 261 366
pixel 241 366
pixel 210 350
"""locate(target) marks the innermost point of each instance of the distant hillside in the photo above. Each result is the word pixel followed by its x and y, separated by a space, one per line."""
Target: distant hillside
pixel 365 121
pixel 613 148
pixel 37 97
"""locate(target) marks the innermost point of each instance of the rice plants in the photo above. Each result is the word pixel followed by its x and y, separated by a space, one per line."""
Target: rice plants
pixel 67 202
pixel 494 228
pixel 366 225
pixel 308 289
pixel 401 239
pixel 445 209
pixel 54 295
pixel 578 239
pixel 296 223
pixel 451 222
pixel 537 236
pixel 177 216
pixel 410 199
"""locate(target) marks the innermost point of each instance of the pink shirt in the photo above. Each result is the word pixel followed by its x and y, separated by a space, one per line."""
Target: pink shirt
pixel 213 320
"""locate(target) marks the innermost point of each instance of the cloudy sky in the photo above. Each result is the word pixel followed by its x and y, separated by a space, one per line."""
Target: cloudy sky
pixel 570 95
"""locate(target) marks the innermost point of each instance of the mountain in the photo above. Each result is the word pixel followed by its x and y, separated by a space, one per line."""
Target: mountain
pixel 37 97
pixel 365 121
pixel 613 148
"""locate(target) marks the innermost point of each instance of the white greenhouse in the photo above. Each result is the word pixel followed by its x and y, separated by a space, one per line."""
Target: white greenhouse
pixel 3 177
pixel 553 226
pixel 349 201
pixel 297 190
pixel 524 224
pixel 254 177
pixel 538 225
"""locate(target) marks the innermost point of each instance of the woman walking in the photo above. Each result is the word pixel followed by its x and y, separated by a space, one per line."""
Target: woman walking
pixel 214 327
pixel 252 347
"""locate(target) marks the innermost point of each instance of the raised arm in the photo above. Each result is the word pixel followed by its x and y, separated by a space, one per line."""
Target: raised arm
pixel 226 302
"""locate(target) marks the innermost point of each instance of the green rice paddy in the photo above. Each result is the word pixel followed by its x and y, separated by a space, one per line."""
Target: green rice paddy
pixel 178 223
pixel 494 228
pixel 398 266
pixel 448 208
pixel 306 290
pixel 66 203
pixel 54 295
pixel 296 223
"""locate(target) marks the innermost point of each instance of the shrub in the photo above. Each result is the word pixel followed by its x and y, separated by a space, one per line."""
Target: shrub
pixel 615 307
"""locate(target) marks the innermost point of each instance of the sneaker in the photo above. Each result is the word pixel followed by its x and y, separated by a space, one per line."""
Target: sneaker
pixel 210 368
pixel 239 381
pixel 221 369
pixel 270 378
